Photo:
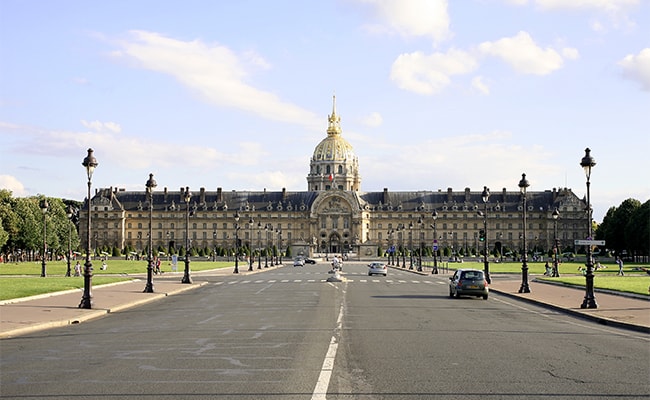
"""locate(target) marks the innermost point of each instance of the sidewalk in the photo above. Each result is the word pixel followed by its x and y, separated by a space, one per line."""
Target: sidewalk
pixel 613 309
pixel 22 316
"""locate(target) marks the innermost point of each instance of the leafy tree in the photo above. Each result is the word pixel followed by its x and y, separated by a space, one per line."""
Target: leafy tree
pixel 614 224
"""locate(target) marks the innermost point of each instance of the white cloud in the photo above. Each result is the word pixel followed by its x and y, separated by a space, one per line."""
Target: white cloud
pixel 430 74
pixel 214 71
pixel 478 84
pixel 637 68
pixel 98 126
pixel 413 18
pixel 12 184
pixel 524 55
pixel 570 53
pixel 609 6
pixel 374 119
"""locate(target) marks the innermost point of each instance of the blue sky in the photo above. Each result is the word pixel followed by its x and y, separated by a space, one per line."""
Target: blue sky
pixel 235 94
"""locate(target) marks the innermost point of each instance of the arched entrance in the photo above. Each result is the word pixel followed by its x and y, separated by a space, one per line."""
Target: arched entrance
pixel 335 245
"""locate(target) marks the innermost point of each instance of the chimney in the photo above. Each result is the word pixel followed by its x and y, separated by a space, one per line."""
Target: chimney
pixel 554 195
pixel 202 196
pixel 503 195
pixel 449 195
pixel 385 198
pixel 219 196
pixel 467 195
pixel 165 192
pixel 284 194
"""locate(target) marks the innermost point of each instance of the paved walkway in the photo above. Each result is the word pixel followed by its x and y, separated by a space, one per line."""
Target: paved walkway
pixel 23 316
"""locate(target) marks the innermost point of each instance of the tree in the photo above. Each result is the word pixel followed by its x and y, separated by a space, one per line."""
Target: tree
pixel 637 231
pixel 614 224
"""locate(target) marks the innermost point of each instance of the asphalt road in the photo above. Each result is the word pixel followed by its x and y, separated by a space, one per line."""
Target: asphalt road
pixel 287 334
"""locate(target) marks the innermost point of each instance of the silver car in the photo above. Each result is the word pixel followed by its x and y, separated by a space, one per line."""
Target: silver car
pixel 469 282
pixel 378 268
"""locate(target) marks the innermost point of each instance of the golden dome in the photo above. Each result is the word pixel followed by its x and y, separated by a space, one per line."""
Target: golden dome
pixel 334 147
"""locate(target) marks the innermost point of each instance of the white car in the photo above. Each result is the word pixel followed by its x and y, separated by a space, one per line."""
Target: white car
pixel 299 262
pixel 377 268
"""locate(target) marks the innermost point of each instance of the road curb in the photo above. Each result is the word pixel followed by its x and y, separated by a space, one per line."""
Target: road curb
pixel 600 320
pixel 97 313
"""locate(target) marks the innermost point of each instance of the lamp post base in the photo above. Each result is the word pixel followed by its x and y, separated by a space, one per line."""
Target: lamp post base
pixel 186 274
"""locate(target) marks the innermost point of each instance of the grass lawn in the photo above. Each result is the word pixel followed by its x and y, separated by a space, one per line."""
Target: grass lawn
pixel 17 287
pixel 124 267
pixel 638 284
pixel 24 279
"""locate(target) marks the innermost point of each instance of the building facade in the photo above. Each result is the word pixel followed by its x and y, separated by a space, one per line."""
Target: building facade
pixel 334 216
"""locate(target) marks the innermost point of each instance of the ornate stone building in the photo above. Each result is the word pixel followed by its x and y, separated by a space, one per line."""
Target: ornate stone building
pixel 334 215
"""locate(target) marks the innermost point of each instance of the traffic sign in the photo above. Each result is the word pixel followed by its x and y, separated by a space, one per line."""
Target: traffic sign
pixel 590 242
pixel 435 247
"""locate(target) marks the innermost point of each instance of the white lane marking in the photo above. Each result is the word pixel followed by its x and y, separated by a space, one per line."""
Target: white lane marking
pixel 320 391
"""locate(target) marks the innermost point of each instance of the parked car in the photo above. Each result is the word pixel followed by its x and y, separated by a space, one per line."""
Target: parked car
pixel 377 268
pixel 299 262
pixel 310 261
pixel 468 282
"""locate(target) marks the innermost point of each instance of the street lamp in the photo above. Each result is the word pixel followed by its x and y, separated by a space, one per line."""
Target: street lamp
pixel 410 245
pixel 556 249
pixel 434 215
pixel 236 271
pixel 588 163
pixel 150 185
pixel 69 214
pixel 250 245
pixel 485 196
pixel 186 275
pixel 279 232
pixel 523 185
pixel 90 163
pixel 420 243
pixel 259 243
pixel 44 206
pixel 267 228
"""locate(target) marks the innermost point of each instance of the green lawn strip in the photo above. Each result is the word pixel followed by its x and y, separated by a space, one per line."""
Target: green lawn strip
pixel 17 287
pixel 58 268
pixel 637 284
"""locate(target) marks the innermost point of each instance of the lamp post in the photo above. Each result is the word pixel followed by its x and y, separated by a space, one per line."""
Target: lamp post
pixel 250 228
pixel 186 274
pixel 150 185
pixel 420 243
pixel 485 196
pixel 410 245
pixel 267 228
pixel 588 163
pixel 523 185
pixel 259 244
pixel 236 271
pixel 279 232
pixel 391 247
pixel 434 215
pixel 90 163
pixel 69 214
pixel 44 206
pixel 556 247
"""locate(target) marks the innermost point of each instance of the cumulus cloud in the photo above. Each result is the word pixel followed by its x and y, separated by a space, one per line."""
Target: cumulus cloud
pixel 12 184
pixel 374 119
pixel 609 6
pixel 430 74
pixel 413 18
pixel 99 126
pixel 478 84
pixel 216 72
pixel 637 68
pixel 524 55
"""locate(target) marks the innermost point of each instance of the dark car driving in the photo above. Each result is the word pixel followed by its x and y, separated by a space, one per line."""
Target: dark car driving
pixel 468 282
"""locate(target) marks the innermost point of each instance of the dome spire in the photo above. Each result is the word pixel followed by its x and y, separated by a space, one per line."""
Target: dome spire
pixel 334 127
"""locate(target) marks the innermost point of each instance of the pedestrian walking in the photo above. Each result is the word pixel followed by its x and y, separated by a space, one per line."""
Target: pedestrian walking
pixel 77 269
pixel 620 266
